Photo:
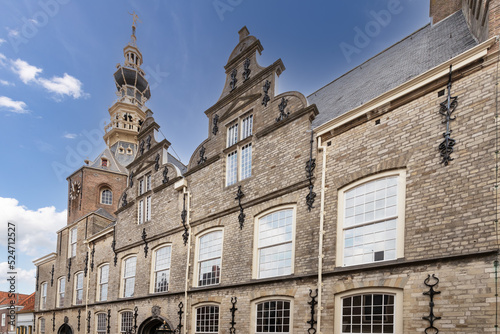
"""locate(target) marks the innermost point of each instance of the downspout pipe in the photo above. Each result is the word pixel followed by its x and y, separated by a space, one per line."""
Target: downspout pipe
pixel 188 265
pixel 321 234
pixel 88 279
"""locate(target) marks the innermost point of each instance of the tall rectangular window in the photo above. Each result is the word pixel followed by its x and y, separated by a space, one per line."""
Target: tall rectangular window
pixel 246 127
pixel 162 269
pixel 79 289
pixel 43 298
pixel 61 287
pixel 148 182
pixel 370 218
pixel 42 326
pixel 275 238
pixel 232 135
pixel 103 282
pixel 207 319
pixel 101 323
pixel 141 186
pixel 140 212
pixel 246 161
pixel 148 208
pixel 73 236
pixel 209 259
pixel 3 319
pixel 232 168
pixel 128 281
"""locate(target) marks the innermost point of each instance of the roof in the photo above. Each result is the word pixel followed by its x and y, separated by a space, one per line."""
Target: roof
pixel 421 51
pixel 5 299
pixel 176 163
pixel 105 214
pixel 113 165
pixel 28 303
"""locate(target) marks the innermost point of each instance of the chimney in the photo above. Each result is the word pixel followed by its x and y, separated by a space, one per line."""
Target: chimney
pixel 441 9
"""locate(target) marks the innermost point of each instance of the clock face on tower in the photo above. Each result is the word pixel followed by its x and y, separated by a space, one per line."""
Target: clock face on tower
pixel 74 190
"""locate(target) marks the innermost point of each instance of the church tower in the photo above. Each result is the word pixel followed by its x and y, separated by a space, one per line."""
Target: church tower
pixel 129 111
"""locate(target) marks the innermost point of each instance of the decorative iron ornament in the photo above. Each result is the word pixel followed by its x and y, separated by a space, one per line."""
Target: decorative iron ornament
pixel 446 109
pixel 136 310
pixel 144 236
pixel 79 317
pixel 165 175
pixel 215 122
pixel 113 245
pixel 37 277
pixel 310 166
pixel 266 97
pixel 313 303
pixel 86 269
pixel 52 276
pixel 246 69
pixel 148 142
pixel 233 309
pixel 283 114
pixel 179 327
pixel 157 162
pixel 88 322
pixel 131 180
pixel 141 147
pixel 202 155
pixel 69 269
pixel 241 216
pixel 124 200
pixel 431 318
pixel 53 321
pixel 66 319
pixel 92 261
pixel 233 79
pixel 34 322
pixel 108 328
pixel 185 235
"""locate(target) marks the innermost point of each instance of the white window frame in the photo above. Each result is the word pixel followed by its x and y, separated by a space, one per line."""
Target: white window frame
pixel 154 270
pixel 122 331
pixel 148 182
pixel 256 253
pixel 42 325
pixel 110 196
pixel 253 311
pixel 140 187
pixel 100 284
pixel 195 317
pixel 147 209
pixel 245 130
pixel 123 278
pixel 43 296
pixel 61 293
pixel 400 220
pixel 72 244
pixel 398 305
pixel 76 289
pixel 3 319
pixel 140 212
pixel 196 282
pixel 144 208
pixel 102 331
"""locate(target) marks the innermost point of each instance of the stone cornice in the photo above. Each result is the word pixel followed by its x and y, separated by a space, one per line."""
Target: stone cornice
pixel 196 168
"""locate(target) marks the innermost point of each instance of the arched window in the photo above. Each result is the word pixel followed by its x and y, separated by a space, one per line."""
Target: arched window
pixel 126 321
pixel 107 197
pixel 101 323
pixel 128 276
pixel 207 319
pixel 161 269
pixel 209 258
pixel 275 238
pixel 273 316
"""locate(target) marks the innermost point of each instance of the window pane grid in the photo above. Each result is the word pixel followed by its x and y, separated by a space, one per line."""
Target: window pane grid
pixel 207 319
pixel 148 182
pixel 62 287
pixel 129 277
pixel 246 161
pixel 246 126
pixel 107 197
pixel 42 325
pixel 210 258
pixel 148 208
pixel 103 281
pixel 232 135
pixel 127 322
pixel 44 296
pixel 79 289
pixel 273 317
pixel 73 241
pixel 232 168
pixel 101 323
pixel 162 269
pixel 140 217
pixel 368 313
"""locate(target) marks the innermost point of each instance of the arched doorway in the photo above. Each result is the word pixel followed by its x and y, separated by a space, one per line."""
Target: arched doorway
pixel 65 329
pixel 150 325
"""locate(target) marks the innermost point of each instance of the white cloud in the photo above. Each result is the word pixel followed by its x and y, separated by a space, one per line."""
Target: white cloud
pixel 35 230
pixel 6 83
pixel 2 59
pixel 25 71
pixel 12 32
pixel 24 277
pixel 2 41
pixel 18 107
pixel 70 135
pixel 66 85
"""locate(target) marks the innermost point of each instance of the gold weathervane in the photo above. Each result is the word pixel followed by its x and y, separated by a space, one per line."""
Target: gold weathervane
pixel 135 19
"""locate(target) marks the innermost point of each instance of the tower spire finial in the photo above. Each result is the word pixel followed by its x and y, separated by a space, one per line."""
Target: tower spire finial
pixel 135 18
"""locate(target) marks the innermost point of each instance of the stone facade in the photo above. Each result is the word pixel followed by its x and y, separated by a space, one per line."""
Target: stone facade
pixel 445 217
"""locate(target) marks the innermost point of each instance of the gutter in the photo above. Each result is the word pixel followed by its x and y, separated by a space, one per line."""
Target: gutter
pixel 186 285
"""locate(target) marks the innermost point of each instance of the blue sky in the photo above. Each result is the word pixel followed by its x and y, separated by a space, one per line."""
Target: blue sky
pixel 57 58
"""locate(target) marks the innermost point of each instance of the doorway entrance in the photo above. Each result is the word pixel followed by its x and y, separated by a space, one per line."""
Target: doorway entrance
pixel 150 325
pixel 65 329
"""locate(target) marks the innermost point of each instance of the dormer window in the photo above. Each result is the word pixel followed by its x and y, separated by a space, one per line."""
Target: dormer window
pixel 121 150
pixel 104 162
pixel 129 151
